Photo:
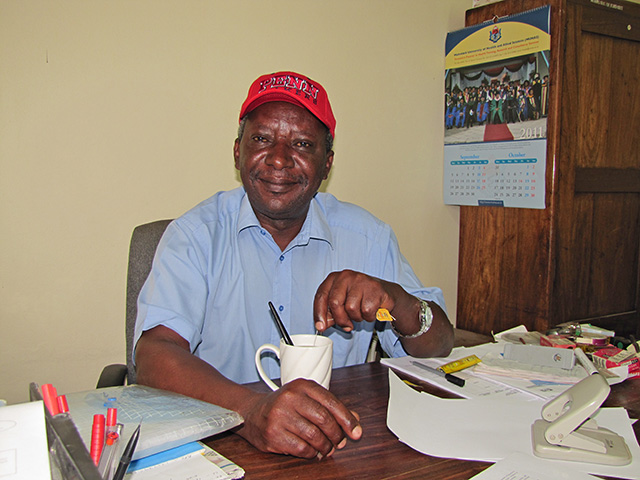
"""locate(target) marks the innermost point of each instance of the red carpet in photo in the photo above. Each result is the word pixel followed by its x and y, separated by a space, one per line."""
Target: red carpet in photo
pixel 497 133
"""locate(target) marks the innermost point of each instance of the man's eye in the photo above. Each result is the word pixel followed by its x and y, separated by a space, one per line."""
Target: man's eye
pixel 303 144
pixel 259 138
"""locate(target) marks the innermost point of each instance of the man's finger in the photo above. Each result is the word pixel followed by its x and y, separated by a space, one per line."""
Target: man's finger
pixel 322 317
pixel 320 421
pixel 345 418
pixel 342 298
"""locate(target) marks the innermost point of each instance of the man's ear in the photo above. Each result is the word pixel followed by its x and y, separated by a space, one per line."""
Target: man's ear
pixel 236 153
pixel 328 164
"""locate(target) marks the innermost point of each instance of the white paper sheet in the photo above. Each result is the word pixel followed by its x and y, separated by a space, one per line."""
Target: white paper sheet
pixel 526 467
pixel 190 467
pixel 179 464
pixel 24 453
pixel 487 429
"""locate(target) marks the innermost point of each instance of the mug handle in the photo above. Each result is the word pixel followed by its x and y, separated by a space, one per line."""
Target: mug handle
pixel 261 372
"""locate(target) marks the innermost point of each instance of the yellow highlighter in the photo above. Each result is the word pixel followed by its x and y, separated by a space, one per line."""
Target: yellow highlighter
pixel 383 315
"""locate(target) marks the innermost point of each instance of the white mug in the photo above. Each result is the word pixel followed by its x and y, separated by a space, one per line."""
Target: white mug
pixel 310 357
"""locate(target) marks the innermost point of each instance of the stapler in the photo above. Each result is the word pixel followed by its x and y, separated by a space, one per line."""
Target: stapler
pixel 566 431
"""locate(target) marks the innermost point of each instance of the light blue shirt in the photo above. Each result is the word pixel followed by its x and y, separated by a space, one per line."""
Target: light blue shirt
pixel 216 269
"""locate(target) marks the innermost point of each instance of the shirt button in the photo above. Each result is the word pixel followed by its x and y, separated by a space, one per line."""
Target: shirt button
pixel 281 307
pixel 263 232
pixel 282 258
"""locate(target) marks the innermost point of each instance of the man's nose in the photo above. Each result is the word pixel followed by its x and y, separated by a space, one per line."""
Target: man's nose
pixel 280 156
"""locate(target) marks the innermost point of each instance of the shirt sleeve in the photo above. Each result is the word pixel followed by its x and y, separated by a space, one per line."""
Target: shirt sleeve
pixel 398 270
pixel 174 295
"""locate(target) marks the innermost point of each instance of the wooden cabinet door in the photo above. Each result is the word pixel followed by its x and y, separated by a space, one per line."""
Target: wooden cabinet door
pixel 598 214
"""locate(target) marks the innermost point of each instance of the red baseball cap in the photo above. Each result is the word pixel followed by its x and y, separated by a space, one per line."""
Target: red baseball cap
pixel 293 88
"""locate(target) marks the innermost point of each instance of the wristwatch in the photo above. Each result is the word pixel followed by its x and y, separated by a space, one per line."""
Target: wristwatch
pixel 426 319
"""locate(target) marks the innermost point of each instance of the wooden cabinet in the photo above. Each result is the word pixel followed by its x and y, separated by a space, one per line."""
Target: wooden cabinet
pixel 577 259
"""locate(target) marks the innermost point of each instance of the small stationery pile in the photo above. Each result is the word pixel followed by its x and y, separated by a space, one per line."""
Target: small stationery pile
pixel 101 434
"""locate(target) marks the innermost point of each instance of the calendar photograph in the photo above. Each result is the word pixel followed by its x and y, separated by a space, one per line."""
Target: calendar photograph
pixel 496 103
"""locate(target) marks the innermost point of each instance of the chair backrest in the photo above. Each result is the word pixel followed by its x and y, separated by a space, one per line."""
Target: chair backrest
pixel 144 241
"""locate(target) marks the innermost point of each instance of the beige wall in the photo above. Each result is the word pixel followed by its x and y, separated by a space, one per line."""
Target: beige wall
pixel 117 113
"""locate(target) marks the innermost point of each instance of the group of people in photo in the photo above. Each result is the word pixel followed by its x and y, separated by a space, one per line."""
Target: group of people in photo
pixel 496 102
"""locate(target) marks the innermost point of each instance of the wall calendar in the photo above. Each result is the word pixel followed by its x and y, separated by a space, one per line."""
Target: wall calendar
pixel 496 107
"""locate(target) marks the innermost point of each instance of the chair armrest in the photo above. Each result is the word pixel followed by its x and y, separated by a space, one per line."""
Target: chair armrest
pixel 112 376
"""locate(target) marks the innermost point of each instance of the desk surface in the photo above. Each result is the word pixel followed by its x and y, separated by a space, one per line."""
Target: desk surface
pixel 378 454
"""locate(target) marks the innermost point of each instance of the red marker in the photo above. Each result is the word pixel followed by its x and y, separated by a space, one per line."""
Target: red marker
pixel 63 406
pixel 49 395
pixel 112 419
pixel 97 438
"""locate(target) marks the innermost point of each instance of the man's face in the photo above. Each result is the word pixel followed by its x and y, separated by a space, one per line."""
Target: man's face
pixel 282 160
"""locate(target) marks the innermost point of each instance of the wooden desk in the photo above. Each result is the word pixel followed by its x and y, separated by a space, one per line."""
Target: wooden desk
pixel 378 454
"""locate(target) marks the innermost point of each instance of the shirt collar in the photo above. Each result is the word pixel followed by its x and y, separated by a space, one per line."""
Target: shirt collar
pixel 315 226
pixel 246 216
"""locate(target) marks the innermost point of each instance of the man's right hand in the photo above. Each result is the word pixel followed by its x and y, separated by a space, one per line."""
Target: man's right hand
pixel 302 418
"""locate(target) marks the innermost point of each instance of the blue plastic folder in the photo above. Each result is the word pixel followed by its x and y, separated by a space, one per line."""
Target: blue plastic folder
pixel 166 456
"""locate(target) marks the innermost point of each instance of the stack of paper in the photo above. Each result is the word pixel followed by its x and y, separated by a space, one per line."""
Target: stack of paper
pixel 495 376
pixel 475 386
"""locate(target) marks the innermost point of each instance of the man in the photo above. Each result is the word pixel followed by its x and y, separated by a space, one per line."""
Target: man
pixel 325 264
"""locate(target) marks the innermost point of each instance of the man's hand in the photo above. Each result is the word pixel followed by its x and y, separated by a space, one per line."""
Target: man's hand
pixel 347 296
pixel 302 419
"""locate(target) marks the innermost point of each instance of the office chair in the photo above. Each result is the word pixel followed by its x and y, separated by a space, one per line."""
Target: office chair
pixel 144 241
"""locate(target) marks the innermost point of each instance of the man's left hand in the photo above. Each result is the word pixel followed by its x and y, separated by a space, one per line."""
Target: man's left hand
pixel 347 296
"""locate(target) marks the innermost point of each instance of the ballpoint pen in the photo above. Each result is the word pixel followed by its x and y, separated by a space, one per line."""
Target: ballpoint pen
pixel 125 460
pixel 108 459
pixel 283 331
